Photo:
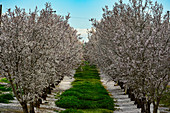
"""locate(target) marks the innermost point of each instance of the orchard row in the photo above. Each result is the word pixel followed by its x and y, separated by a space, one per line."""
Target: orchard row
pixel 131 45
pixel 37 49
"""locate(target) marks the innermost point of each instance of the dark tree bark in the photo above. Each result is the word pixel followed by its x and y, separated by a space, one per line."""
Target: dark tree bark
pixel 52 85
pixel 121 85
pixel 24 107
pixel 148 106
pixel 48 90
pixel 132 97
pixel 127 92
pixel 139 103
pixel 40 101
pixel 37 103
pixel 143 105
pixel 32 107
pixel 156 105
pixel 44 96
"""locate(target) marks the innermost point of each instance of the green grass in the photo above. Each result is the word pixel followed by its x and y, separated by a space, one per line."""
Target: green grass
pixel 87 94
pixel 165 100
pixel 72 111
pixel 4 88
pixel 4 80
pixel 4 98
pixel 87 111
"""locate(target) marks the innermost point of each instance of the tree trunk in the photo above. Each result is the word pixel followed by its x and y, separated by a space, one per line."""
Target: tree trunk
pixel 138 103
pixel 32 107
pixel 53 86
pixel 129 92
pixel 24 107
pixel 61 78
pixel 37 103
pixel 48 90
pixel 143 105
pixel 118 82
pixel 40 101
pixel 135 101
pixel 44 95
pixel 155 109
pixel 156 105
pixel 148 106
pixel 121 85
pixel 132 97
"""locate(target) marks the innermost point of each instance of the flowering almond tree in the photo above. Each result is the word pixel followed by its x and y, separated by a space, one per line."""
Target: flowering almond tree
pixel 131 44
pixel 36 50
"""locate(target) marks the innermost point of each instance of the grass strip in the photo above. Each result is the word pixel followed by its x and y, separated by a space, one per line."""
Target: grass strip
pixel 4 88
pixel 4 98
pixel 87 94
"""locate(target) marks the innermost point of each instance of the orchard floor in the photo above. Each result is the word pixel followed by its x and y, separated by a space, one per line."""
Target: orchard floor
pixel 77 86
pixel 48 105
pixel 87 95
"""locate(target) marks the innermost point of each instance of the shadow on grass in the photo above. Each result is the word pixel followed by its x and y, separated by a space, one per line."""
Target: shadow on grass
pixel 165 100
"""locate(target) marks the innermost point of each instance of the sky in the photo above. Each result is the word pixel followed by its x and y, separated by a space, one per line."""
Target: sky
pixel 80 10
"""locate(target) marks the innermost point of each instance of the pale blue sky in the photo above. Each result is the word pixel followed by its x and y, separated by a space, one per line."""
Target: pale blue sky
pixel 81 10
